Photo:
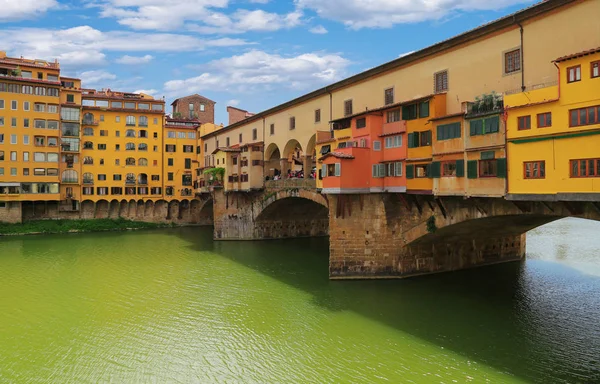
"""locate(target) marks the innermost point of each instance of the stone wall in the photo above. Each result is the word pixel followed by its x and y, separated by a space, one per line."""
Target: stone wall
pixel 11 212
pixel 185 212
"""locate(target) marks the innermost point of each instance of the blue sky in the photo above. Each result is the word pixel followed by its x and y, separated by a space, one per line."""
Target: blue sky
pixel 253 54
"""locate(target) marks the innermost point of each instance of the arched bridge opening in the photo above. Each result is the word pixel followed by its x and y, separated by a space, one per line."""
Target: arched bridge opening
pixel 292 216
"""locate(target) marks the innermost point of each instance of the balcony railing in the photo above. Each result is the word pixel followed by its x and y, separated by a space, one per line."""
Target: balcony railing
pixel 88 181
pixel 70 180
pixel 130 182
pixel 90 122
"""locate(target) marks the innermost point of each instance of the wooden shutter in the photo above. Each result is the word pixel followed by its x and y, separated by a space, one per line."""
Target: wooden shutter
pixel 472 169
pixel 460 168
pixel 411 142
pixel 436 170
pixel 324 170
pixel 410 171
pixel 476 127
pixel 428 171
pixel 338 169
pixel 501 170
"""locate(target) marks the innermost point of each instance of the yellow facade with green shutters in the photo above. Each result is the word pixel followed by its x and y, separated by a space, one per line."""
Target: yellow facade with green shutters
pixel 554 134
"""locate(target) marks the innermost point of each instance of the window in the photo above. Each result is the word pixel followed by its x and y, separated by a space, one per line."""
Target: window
pixel 574 74
pixel 448 131
pixel 192 135
pixel 130 133
pixel 544 120
pixel 441 81
pixel 393 116
pixel 188 163
pixel 409 112
pixel 488 168
pixel 38 107
pixel 130 161
pixel 170 148
pixel 102 147
pixel 449 168
pixel 71 114
pixel 52 141
pixel 53 125
pixel 170 176
pixel 585 168
pixel 70 98
pixel 25 171
pixel 584 116
pixel 116 177
pixel 40 91
pixel 103 132
pixel 88 132
pixel 13 156
pixel 129 105
pixel 181 135
pixel 317 116
pixel 130 147
pixel 25 123
pixel 52 108
pixel 26 74
pixel 170 162
pixel 394 169
pixel 142 147
pixel 424 109
pixel 272 129
pixel 39 157
pixel 534 169
pixel 143 122
pixel 26 106
pixel 254 134
pixel 377 145
pixel 39 123
pixel 155 178
pixel 27 89
pixel 171 134
pixel 143 162
pixel 388 96
pixel 292 123
pixel 484 126
pixel 188 149
pixel 36 171
pixel 13 122
pixel 14 105
pixel 145 106
pixel 101 177
pixel 421 171
pixel 227 142
pixel 26 139
pixel 595 68
pixel 524 122
pixel 512 61
pixel 393 141
pixel 1 121
pixel 130 120
pixel 13 139
pixel 347 107
pixel 361 123
pixel 155 121
pixel 1 155
pixel 88 160
pixel 2 104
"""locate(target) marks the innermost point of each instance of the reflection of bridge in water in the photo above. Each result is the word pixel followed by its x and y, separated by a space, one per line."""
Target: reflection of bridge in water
pixel 388 235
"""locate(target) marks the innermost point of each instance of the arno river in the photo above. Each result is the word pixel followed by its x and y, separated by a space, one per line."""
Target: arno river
pixel 174 306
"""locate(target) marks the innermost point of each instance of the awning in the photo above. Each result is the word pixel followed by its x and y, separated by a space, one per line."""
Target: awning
pixel 10 184
pixel 325 149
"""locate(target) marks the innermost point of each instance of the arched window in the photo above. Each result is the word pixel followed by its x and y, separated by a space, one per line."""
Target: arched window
pixel 143 121
pixel 88 178
pixel 130 161
pixel 88 160
pixel 130 147
pixel 88 131
pixel 130 120
pixel 130 178
pixel 70 176
pixel 88 118
pixel 143 162
pixel 130 133
pixel 142 147
pixel 88 145
pixel 142 179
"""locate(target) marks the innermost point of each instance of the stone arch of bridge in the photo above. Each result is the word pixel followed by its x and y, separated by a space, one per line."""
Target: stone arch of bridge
pixel 293 204
pixel 450 220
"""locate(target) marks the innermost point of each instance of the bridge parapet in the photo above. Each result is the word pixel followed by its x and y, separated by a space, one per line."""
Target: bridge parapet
pixel 276 185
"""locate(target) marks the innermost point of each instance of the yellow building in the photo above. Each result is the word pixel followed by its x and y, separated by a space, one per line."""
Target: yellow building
pixel 180 157
pixel 121 146
pixel 29 130
pixel 554 134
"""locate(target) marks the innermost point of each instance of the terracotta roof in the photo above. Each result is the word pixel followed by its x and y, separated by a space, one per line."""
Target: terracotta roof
pixel 447 116
pixel 29 63
pixel 396 132
pixel 251 144
pixel 508 21
pixel 338 155
pixel 578 54
pixel 389 106
pixel 226 149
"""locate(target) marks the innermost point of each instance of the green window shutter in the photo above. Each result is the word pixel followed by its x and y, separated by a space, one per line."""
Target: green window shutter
pixel 416 139
pixel 424 109
pixel 501 170
pixel 472 169
pixel 440 133
pixel 410 140
pixel 473 127
pixel 493 124
pixel 460 168
pixel 410 171
pixel 457 130
pixel 405 112
pixel 436 169
pixel 476 127
pixel 428 170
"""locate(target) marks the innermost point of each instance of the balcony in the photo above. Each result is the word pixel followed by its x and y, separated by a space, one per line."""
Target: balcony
pixel 69 180
pixel 130 182
pixel 486 104
pixel 90 122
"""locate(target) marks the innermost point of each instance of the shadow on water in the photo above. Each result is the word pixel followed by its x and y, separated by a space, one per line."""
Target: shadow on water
pixel 534 320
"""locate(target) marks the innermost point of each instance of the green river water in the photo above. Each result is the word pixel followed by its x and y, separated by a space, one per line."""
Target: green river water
pixel 172 306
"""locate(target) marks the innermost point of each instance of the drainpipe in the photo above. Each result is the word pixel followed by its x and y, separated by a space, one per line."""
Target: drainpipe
pixel 522 55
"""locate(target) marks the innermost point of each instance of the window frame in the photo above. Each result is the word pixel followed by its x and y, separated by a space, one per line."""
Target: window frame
pixel 388 92
pixel 541 164
pixel 348 107
pixel 441 81
pixel 577 71
pixel 596 162
pixel 526 120
pixel 516 65
pixel 597 66
pixel 547 120
pixel 480 166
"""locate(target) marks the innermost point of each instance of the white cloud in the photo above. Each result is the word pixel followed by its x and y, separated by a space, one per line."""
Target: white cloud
pixel 258 71
pixel 151 92
pixel 134 60
pixel 13 10
pixel 92 79
pixel 233 102
pixel 84 45
pixel 319 30
pixel 203 16
pixel 357 14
